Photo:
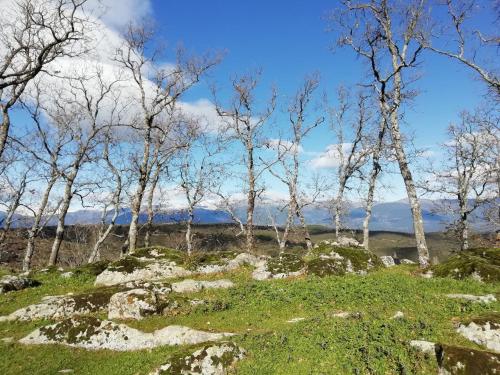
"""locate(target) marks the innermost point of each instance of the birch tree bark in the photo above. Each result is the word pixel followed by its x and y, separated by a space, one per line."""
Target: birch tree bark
pixel 388 36
pixel 243 123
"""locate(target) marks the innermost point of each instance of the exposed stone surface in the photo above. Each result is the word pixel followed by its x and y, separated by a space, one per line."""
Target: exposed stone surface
pixel 388 261
pixel 157 287
pixel 153 264
pixel 344 314
pixel 94 334
pixel 488 298
pixel 453 360
pixel 328 260
pixel 483 331
pixel 10 283
pixel 60 307
pixel 283 266
pixel 479 264
pixel 210 360
pixel 423 346
pixel 151 271
pixel 346 242
pixel 188 286
pixel 406 261
pixel 398 315
pixel 295 320
pixel 133 304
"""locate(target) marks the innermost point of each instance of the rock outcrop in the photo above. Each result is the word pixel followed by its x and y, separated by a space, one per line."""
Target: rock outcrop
pixel 488 298
pixel 152 264
pixel 479 264
pixel 60 307
pixel 210 360
pixel 10 283
pixel 189 286
pixel 95 334
pixel 483 330
pixel 133 304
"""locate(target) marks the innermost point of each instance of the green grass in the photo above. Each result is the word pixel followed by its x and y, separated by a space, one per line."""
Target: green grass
pixel 258 312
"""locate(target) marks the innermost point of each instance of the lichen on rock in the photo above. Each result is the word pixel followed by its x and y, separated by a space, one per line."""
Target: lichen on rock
pixel 210 360
pixel 95 334
pixel 483 330
pixel 11 283
pixel 479 264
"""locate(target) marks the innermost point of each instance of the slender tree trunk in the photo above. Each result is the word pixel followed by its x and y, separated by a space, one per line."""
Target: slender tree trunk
pixel 103 234
pixel 68 195
pixel 372 182
pixel 36 227
pixel 418 223
pixel 4 130
pixel 307 236
pixel 144 171
pixel 151 213
pixel 189 235
pixel 250 200
pixel 12 210
pixel 464 224
pixel 338 206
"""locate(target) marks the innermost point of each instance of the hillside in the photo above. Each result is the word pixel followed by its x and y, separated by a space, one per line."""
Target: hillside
pixel 353 323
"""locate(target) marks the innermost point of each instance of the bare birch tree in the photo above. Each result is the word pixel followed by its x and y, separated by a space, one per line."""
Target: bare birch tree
pixel 377 149
pixel 86 109
pixel 158 91
pixel 288 156
pixel 114 197
pixel 388 35
pixel 199 173
pixel 469 168
pixel 465 43
pixel 351 153
pixel 244 123
pixel 34 34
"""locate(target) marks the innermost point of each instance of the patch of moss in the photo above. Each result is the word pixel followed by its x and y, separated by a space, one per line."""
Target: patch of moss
pixel 285 263
pixel 361 260
pixel 92 269
pixel 326 267
pixel 73 330
pixel 464 361
pixel 492 317
pixel 127 264
pixel 482 262
pixel 94 301
pixel 201 259
pixel 163 253
pixel 183 364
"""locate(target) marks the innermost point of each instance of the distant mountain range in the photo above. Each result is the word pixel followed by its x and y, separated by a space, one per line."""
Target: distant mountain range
pixel 386 216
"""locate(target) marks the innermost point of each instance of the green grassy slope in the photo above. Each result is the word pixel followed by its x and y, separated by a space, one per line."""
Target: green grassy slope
pixel 372 343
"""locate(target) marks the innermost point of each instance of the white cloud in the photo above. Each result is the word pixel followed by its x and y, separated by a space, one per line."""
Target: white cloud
pixel 118 14
pixel 331 157
pixel 284 146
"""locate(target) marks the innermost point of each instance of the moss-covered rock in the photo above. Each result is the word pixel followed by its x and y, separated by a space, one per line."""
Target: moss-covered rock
pixel 95 334
pixel 480 264
pixel 209 260
pixel 160 253
pixel 11 283
pixel 285 263
pixel 91 269
pixel 213 359
pixel 456 360
pixel 326 259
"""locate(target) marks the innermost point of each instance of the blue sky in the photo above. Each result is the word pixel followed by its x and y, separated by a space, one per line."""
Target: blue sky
pixel 288 40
